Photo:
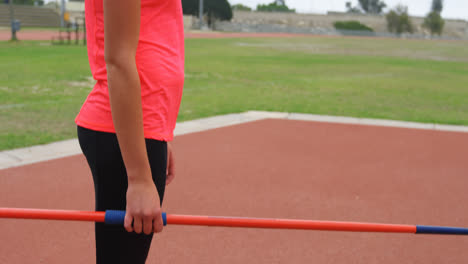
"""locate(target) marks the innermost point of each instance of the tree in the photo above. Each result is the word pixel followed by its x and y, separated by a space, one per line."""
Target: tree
pixel 218 9
pixel 213 9
pixel 275 6
pixel 240 7
pixel 434 21
pixel 398 20
pixel 372 6
pixel 367 6
pixel 351 9
pixel 190 7
pixel 437 6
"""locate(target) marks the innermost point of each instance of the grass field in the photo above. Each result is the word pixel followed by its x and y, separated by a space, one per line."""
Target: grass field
pixel 42 86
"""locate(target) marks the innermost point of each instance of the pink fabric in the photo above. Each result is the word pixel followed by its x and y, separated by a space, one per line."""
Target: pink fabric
pixel 160 63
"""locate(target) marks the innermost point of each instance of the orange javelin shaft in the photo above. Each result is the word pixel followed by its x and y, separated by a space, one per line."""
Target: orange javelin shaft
pixel 173 219
pixel 115 217
pixel 52 214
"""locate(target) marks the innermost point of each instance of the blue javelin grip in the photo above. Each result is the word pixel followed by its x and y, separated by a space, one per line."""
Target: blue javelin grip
pixel 116 217
pixel 442 230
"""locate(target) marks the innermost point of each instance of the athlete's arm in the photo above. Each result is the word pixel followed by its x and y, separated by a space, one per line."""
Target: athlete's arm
pixel 121 33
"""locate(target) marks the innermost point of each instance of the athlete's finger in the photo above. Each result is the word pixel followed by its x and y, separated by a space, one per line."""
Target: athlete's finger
pixel 148 224
pixel 128 222
pixel 137 224
pixel 158 223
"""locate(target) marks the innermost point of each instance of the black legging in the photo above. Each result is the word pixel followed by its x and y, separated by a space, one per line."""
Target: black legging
pixel 113 243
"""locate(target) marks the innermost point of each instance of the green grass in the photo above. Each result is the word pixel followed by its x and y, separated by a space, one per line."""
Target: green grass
pixel 42 87
pixel 41 90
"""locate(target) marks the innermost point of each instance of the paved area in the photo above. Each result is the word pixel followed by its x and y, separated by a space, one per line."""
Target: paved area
pixel 276 167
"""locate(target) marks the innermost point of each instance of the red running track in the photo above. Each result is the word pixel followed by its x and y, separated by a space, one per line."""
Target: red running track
pixel 271 169
pixel 49 34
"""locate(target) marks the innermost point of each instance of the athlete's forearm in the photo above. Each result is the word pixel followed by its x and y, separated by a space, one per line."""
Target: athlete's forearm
pixel 121 29
pixel 125 100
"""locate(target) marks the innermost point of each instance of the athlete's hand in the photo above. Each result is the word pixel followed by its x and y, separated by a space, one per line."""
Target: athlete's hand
pixel 143 208
pixel 170 174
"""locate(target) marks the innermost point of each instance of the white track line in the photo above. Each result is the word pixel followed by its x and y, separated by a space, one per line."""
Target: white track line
pixel 29 155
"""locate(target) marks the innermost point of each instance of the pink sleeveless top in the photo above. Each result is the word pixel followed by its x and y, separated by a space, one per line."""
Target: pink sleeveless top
pixel 160 63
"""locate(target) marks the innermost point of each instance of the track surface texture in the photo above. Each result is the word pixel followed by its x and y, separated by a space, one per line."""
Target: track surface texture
pixel 269 168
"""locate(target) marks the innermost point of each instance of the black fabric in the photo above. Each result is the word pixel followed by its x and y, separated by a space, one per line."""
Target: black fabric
pixel 113 243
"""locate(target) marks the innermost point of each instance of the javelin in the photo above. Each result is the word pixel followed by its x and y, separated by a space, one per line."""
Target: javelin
pixel 117 218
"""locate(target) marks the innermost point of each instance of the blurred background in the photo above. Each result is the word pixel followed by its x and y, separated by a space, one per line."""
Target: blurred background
pixel 399 60
pixel 416 19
